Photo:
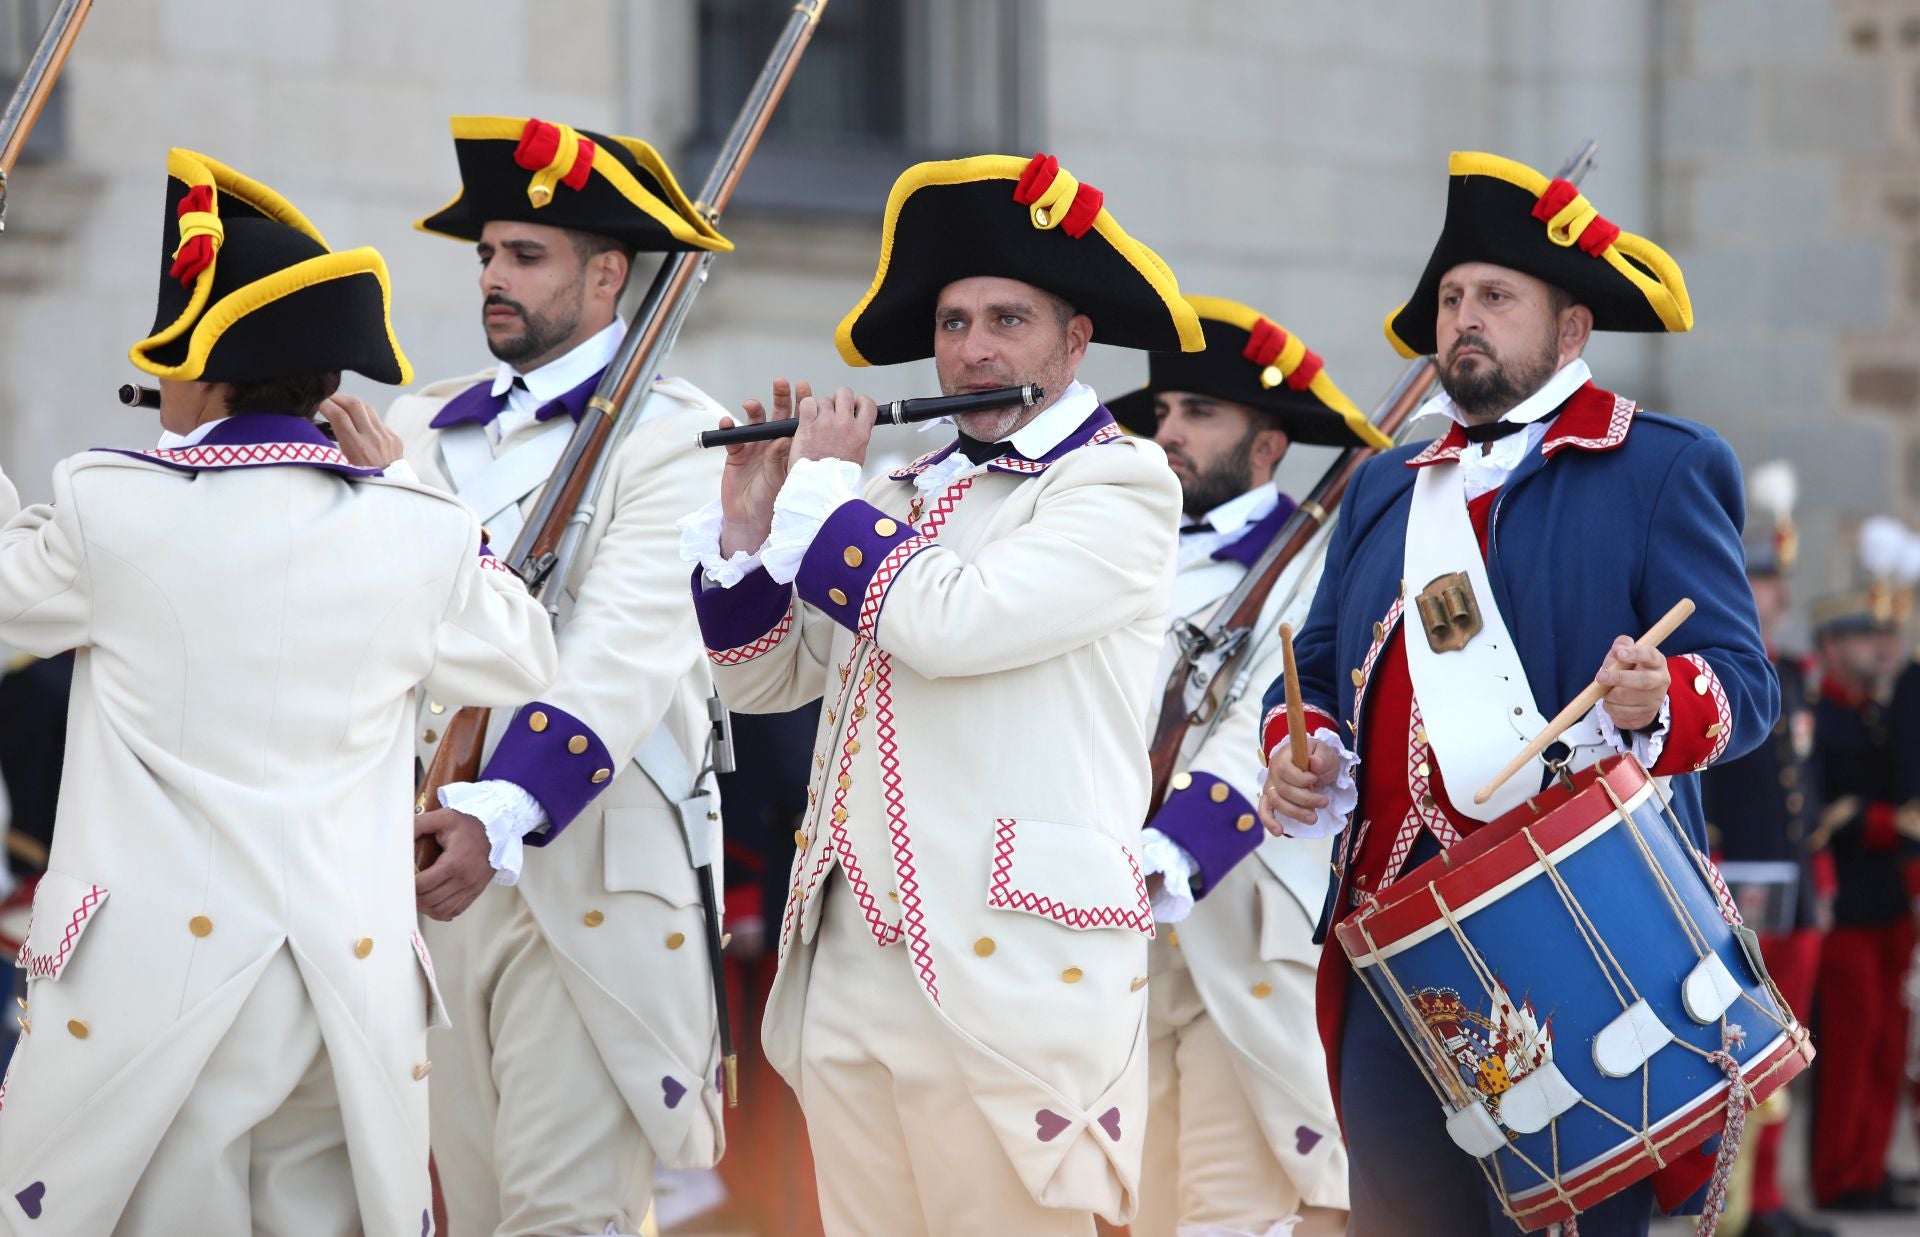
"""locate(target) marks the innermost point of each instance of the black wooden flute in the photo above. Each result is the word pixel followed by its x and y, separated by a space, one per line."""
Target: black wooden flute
pixel 899 412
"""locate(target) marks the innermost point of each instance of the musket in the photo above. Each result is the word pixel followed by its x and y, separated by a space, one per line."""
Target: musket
pixel 549 543
pixel 1209 655
pixel 36 84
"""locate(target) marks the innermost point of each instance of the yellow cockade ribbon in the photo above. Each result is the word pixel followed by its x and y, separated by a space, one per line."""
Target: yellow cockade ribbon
pixel 1567 225
pixel 540 188
pixel 200 223
pixel 1052 206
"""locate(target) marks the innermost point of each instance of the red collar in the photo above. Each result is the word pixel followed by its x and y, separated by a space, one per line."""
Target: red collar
pixel 1590 420
pixel 1836 691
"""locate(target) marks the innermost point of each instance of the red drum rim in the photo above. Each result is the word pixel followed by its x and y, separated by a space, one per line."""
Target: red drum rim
pixel 1487 863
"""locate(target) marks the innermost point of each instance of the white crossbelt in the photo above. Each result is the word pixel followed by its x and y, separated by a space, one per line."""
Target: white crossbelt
pixel 691 794
pixel 495 485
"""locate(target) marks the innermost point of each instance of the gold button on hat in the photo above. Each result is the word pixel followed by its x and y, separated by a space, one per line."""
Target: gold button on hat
pixel 885 527
pixel 363 947
pixel 1245 822
pixel 1182 780
pixel 852 556
pixel 601 775
pixel 1071 975
pixel 676 940
pixel 78 1029
pixel 594 919
pixel 1262 990
pixel 984 947
pixel 536 721
pixel 577 744
pixel 200 925
pixel 837 597
pixel 1219 792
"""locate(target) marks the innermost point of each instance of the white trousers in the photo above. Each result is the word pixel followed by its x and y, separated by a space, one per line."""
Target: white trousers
pixel 531 1137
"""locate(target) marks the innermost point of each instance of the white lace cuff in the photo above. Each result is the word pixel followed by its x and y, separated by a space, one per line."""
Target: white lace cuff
pixel 700 543
pixel 1644 745
pixel 813 490
pixel 1343 796
pixel 1160 853
pixel 508 812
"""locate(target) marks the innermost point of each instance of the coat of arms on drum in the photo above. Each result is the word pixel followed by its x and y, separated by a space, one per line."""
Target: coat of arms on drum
pixel 1493 1052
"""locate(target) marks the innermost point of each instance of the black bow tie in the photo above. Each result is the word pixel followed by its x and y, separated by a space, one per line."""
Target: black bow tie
pixel 1202 527
pixel 1497 430
pixel 980 452
pixel 519 382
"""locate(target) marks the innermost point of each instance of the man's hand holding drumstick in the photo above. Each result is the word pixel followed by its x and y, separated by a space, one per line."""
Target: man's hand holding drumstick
pixel 1299 773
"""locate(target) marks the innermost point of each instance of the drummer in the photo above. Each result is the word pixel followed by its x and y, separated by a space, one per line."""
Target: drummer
pixel 1567 517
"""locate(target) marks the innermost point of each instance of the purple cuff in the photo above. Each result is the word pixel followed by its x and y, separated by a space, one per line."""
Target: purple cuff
pixel 556 758
pixel 853 561
pixel 738 617
pixel 1212 822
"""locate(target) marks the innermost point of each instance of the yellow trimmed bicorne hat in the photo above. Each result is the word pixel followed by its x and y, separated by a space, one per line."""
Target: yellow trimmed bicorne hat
pixel 535 171
pixel 249 290
pixel 1505 213
pixel 1024 219
pixel 1250 359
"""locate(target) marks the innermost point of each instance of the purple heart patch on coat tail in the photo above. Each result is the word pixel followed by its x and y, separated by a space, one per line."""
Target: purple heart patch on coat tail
pixel 1305 1140
pixel 426 1222
pixel 1050 1124
pixel 29 1199
pixel 1110 1122
pixel 674 1092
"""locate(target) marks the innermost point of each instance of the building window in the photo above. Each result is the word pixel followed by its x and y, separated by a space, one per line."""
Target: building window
pixel 883 84
pixel 20 30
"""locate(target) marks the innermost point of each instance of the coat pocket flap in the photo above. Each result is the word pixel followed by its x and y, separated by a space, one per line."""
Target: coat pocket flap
pixel 436 1008
pixel 62 909
pixel 647 853
pixel 1070 874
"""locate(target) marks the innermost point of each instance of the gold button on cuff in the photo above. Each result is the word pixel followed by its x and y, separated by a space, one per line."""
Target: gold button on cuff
pixel 1245 822
pixel 363 947
pixel 431 736
pixel 1700 684
pixel 676 940
pixel 1262 990
pixel 78 1029
pixel 594 919
pixel 1182 780
pixel 1358 677
pixel 200 925
pixel 1219 792
pixel 577 744
pixel 1139 982
pixel 1071 975
pixel 984 947
pixel 885 527
pixel 537 721
pixel 800 838
pixel 421 1070
pixel 601 775
pixel 852 556
pixel 837 597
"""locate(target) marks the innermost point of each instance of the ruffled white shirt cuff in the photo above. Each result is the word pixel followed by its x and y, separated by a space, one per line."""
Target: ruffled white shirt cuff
pixel 813 490
pixel 1342 797
pixel 1160 853
pixel 508 812
pixel 1644 745
pixel 400 470
pixel 700 543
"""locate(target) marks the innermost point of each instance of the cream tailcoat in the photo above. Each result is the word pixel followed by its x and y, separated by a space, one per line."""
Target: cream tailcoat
pixel 980 779
pixel 631 660
pixel 237 772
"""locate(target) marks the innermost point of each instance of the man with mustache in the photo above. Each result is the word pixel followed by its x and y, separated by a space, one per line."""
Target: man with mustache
pixel 1576 521
pixel 584 1050
pixel 1242 1137
pixel 960 1004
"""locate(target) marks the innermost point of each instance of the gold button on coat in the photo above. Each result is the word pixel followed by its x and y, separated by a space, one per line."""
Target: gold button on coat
pixel 537 721
pixel 601 775
pixel 984 947
pixel 800 838
pixel 200 925
pixel 1379 632
pixel 1139 982
pixel 885 527
pixel 1262 990
pixel 1219 792
pixel 577 744
pixel 676 940
pixel 1700 684
pixel 1071 975
pixel 421 1070
pixel 1358 676
pixel 78 1029
pixel 436 707
pixel 852 556
pixel 837 597
pixel 593 919
pixel 363 947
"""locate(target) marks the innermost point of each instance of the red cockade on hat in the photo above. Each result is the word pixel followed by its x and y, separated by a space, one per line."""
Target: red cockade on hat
pixel 540 145
pixel 1596 234
pixel 1265 344
pixel 1040 185
pixel 200 235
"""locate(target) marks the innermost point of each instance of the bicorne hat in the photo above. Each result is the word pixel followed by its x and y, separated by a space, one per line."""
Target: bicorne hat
pixel 1024 219
pixel 1505 213
pixel 249 290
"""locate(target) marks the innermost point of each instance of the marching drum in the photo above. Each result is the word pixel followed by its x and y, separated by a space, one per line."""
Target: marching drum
pixel 1579 989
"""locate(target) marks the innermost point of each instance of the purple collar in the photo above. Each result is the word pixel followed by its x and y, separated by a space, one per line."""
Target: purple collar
pixel 255 440
pixel 1097 428
pixel 477 405
pixel 1255 538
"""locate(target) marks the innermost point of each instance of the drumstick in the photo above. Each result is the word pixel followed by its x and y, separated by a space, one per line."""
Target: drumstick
pixel 1582 703
pixel 1296 711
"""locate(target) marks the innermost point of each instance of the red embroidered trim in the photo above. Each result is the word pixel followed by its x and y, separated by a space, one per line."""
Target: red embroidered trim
pixel 869 617
pixel 883 932
pixel 1618 422
pixel 918 466
pixel 246 455
pixel 747 652
pixel 1002 894
pixel 40 966
pixel 911 913
pixel 1723 710
pixel 1432 819
pixel 490 563
pixel 1387 625
pixel 1441 448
